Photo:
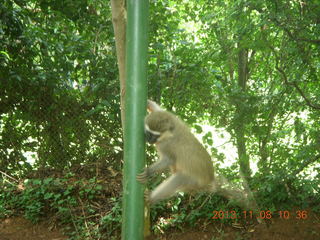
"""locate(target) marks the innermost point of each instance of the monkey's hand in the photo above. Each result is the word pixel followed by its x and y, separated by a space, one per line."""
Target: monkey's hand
pixel 144 176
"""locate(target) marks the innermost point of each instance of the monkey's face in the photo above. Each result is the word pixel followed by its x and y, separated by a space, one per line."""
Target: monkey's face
pixel 158 125
pixel 151 136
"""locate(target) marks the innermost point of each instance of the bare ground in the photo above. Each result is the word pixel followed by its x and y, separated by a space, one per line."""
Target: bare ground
pixel 17 228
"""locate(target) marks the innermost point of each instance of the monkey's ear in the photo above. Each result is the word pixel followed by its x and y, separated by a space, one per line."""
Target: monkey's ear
pixel 153 106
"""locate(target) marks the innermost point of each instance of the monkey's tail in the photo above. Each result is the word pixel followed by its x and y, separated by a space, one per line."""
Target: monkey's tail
pixel 241 197
pixel 224 188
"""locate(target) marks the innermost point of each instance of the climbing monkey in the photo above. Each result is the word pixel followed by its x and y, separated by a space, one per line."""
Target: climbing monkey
pixel 178 150
pixel 190 164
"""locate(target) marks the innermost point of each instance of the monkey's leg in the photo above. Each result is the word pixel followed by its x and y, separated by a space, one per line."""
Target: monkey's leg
pixel 170 186
pixel 159 166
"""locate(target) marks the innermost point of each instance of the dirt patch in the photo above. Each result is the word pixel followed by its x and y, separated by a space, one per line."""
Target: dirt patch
pixel 17 228
pixel 273 229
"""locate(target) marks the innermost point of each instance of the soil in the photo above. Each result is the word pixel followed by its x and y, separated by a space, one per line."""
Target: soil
pixel 17 228
pixel 273 229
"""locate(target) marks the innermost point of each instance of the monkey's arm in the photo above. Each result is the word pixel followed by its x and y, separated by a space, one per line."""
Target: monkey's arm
pixel 158 167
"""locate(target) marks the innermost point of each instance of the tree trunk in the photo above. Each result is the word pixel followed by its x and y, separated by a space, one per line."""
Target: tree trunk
pixel 119 25
pixel 239 120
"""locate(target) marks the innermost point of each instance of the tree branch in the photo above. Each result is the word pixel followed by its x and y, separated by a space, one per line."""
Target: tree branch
pixel 295 85
pixel 305 164
pixel 292 36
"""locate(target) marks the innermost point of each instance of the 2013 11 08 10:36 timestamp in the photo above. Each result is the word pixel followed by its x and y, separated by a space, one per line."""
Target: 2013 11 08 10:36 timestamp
pixel 265 214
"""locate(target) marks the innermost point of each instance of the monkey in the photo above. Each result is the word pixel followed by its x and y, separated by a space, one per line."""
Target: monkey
pixel 178 150
pixel 191 166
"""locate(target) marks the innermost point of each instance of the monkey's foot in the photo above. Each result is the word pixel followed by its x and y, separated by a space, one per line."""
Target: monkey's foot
pixel 147 195
pixel 143 177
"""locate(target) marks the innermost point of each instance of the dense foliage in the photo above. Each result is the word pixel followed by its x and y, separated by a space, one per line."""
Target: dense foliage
pixel 250 69
pixel 59 89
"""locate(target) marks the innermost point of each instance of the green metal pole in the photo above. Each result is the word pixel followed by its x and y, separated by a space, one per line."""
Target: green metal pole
pixel 135 110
